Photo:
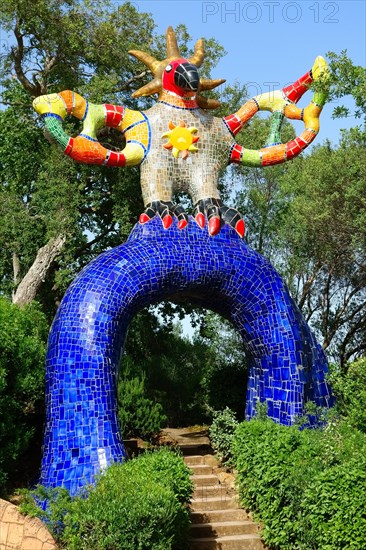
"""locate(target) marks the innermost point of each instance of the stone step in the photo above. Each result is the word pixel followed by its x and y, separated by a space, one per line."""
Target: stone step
pixel 231 542
pixel 207 516
pixel 206 491
pixel 203 480
pixel 218 522
pixel 214 503
pixel 223 529
pixel 192 460
pixel 194 449
pixel 201 469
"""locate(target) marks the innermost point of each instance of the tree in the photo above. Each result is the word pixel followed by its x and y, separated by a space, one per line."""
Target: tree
pixel 347 79
pixel 189 378
pixel 171 367
pixel 225 373
pixel 350 390
pixel 323 238
pixel 69 212
pixel 58 215
pixel 308 217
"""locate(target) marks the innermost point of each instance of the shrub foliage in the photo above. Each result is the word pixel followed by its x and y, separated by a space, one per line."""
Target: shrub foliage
pixel 308 487
pixel 221 433
pixel 138 415
pixel 350 391
pixel 23 335
pixel 139 505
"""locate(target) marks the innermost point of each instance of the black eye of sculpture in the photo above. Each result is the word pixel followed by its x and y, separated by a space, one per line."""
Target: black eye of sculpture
pixel 186 77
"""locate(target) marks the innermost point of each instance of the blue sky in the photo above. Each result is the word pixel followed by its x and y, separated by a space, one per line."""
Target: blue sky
pixel 271 43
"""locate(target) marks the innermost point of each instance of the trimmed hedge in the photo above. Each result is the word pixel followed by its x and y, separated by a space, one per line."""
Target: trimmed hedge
pixel 308 487
pixel 138 505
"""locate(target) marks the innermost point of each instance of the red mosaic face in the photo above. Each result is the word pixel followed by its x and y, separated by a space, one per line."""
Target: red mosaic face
pixel 181 77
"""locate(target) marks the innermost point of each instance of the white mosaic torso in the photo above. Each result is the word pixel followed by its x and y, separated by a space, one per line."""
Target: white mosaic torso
pixel 162 174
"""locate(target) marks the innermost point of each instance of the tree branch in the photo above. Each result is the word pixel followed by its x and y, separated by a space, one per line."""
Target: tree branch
pixel 16 268
pixel 328 335
pixel 354 351
pixel 307 285
pixel 345 356
pixel 18 55
pixel 15 104
pixel 29 285
pixel 49 65
pixel 130 81
pixel 97 239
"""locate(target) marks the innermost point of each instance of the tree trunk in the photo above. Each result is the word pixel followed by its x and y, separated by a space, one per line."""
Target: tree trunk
pixel 29 285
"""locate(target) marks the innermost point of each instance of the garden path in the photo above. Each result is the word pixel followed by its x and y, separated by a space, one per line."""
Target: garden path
pixel 218 522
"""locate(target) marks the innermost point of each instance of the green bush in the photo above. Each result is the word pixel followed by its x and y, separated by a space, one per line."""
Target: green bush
pixel 139 505
pixel 169 468
pixel 308 487
pixel 350 391
pixel 221 433
pixel 23 336
pixel 138 415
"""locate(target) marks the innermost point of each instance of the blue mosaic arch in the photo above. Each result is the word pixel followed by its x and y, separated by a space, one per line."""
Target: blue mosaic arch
pixel 221 273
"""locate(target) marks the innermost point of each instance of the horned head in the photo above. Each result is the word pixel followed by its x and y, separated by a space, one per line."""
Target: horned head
pixel 176 74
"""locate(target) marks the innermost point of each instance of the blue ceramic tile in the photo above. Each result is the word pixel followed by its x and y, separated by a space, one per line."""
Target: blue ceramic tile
pixel 221 273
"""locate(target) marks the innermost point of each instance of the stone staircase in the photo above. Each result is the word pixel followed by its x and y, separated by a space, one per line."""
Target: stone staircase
pixel 218 522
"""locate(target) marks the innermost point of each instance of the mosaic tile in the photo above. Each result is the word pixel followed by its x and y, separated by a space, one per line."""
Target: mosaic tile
pixel 221 273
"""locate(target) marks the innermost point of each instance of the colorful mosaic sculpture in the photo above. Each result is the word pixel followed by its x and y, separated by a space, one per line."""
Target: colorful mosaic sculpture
pixel 180 146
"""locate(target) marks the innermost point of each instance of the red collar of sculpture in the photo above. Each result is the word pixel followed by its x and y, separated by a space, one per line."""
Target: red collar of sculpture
pixel 178 101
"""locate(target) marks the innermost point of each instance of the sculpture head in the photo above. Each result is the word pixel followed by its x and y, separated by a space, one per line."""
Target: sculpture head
pixel 181 77
pixel 176 74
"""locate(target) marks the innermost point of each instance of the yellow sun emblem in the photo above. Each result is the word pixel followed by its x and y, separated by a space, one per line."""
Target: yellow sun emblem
pixel 181 139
